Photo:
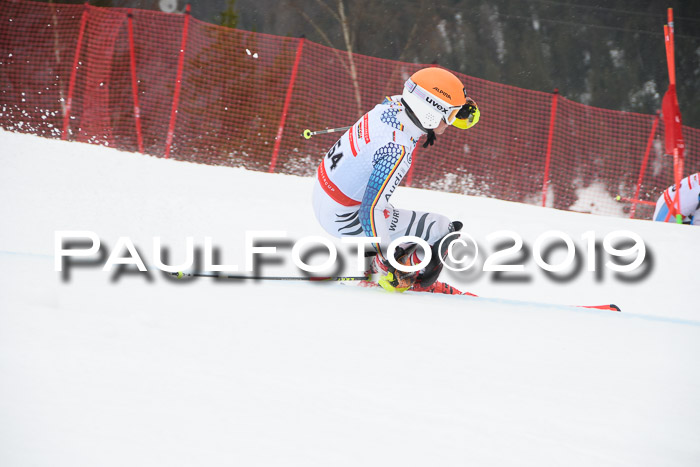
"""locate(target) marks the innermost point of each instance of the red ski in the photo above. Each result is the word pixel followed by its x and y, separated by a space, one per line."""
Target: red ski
pixel 447 289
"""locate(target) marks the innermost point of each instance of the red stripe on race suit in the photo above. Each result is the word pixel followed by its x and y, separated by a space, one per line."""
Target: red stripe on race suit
pixel 352 141
pixel 332 190
pixel 670 204
pixel 668 200
pixel 366 122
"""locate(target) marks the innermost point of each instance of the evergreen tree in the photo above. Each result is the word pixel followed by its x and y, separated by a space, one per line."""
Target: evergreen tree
pixel 229 17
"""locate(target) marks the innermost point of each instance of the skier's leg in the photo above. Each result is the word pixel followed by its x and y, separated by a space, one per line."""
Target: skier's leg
pixel 341 221
pixel 392 279
pixel 336 219
pixel 661 213
pixel 430 273
pixel 661 210
pixel 695 217
pixel 426 225
pixel 430 227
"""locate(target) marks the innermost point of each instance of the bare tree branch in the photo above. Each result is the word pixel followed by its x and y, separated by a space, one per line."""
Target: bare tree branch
pixel 411 34
pixel 329 9
pixel 348 45
pixel 324 37
pixel 320 32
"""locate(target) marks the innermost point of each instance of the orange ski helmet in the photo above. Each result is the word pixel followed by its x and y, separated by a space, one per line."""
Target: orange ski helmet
pixel 434 94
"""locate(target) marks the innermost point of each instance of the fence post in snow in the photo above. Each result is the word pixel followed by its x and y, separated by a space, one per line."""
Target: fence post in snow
pixel 134 82
pixel 178 84
pixel 552 119
pixel 285 108
pixel 643 168
pixel 73 73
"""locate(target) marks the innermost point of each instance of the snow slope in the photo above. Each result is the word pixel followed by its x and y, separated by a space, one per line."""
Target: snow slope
pixel 102 368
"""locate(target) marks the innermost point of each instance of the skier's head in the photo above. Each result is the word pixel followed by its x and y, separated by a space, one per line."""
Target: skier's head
pixel 434 95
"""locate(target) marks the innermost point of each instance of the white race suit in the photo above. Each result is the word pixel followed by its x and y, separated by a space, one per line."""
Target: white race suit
pixel 689 202
pixel 361 171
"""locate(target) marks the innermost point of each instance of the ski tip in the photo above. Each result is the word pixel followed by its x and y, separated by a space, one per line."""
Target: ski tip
pixel 611 307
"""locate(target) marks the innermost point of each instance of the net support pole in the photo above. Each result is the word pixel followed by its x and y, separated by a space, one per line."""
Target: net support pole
pixel 178 84
pixel 550 137
pixel 73 74
pixel 134 82
pixel 285 107
pixel 643 168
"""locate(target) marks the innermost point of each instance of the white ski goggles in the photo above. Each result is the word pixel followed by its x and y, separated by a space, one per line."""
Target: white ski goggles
pixel 449 112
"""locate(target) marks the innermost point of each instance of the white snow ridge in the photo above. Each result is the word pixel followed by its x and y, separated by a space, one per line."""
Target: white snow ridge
pixel 109 369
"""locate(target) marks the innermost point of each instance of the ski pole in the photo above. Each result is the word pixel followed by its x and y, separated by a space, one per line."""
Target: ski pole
pixel 181 274
pixel 634 201
pixel 308 133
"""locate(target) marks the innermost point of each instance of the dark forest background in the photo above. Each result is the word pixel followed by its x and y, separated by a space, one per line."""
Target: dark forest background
pixel 604 53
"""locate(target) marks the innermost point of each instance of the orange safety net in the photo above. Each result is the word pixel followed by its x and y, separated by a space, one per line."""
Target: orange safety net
pixel 215 95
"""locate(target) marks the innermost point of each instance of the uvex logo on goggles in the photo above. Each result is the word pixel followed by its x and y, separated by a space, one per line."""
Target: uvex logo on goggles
pixel 448 112
pixel 437 105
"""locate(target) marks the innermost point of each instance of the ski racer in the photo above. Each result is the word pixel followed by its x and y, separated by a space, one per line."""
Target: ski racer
pixel 689 202
pixel 358 175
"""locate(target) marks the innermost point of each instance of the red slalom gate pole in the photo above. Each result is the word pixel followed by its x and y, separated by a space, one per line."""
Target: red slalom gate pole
pixel 677 157
pixel 643 169
pixel 74 71
pixel 134 82
pixel 285 107
pixel 548 158
pixel 178 84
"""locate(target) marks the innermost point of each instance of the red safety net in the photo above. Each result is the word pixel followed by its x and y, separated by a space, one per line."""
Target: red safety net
pixel 172 86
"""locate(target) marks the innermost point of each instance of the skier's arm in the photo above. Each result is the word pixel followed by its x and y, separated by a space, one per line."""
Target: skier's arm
pixel 391 163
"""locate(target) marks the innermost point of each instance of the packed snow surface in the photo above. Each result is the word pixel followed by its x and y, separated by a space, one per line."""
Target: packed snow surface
pixel 135 368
